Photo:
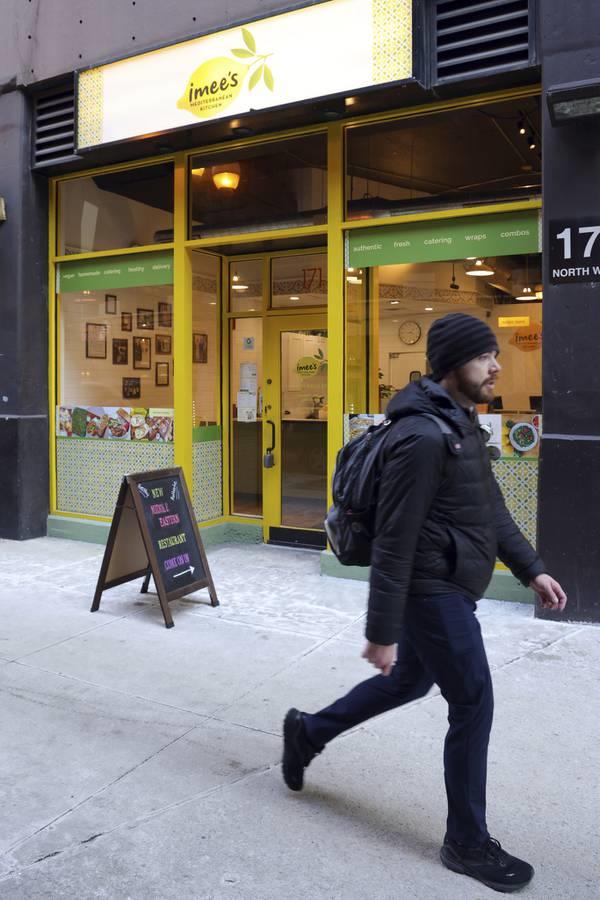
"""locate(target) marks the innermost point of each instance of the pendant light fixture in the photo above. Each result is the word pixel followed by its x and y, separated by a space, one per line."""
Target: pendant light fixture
pixel 527 293
pixel 226 177
pixel 479 269
pixel 237 284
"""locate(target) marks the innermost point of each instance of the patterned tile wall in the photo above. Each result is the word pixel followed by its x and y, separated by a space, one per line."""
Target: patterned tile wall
pixel 89 473
pixel 208 480
pixel 518 480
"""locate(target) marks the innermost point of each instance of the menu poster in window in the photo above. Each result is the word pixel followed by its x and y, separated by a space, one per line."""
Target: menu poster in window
pixel 154 532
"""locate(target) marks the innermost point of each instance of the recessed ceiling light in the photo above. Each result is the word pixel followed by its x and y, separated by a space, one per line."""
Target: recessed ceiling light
pixel 429 309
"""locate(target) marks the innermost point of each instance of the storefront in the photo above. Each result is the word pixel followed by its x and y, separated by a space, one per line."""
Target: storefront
pixel 241 310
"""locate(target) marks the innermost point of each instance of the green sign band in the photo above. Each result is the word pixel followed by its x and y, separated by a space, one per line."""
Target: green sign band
pixel 493 235
pixel 133 270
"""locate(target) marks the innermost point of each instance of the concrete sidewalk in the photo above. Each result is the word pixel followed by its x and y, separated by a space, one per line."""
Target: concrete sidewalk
pixel 144 763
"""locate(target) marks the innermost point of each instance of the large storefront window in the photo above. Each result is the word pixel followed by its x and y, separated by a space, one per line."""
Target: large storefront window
pixel 116 210
pixel 115 374
pixel 387 336
pixel 483 154
pixel 272 186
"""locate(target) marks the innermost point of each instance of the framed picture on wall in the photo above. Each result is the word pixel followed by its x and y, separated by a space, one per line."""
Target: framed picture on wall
pixel 162 374
pixel 142 352
pixel 162 344
pixel 165 315
pixel 132 389
pixel 200 348
pixel 145 319
pixel 126 321
pixel 110 304
pixel 95 340
pixel 120 351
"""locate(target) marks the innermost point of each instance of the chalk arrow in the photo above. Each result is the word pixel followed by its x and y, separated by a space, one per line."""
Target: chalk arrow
pixel 191 570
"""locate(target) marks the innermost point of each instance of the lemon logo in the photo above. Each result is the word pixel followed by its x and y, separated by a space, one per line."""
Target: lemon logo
pixel 215 84
pixel 307 366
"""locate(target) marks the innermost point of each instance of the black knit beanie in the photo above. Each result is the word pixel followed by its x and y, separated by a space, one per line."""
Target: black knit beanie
pixel 454 340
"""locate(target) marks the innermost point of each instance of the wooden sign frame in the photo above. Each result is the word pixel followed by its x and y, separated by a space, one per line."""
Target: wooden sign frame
pixel 130 550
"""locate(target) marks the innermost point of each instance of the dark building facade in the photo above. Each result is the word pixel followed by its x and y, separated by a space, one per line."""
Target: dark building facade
pixel 234 277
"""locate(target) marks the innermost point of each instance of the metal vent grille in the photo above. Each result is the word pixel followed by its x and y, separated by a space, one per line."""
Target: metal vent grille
pixel 480 37
pixel 54 127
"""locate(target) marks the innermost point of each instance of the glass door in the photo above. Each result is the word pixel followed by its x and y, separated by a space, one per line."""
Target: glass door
pixel 295 430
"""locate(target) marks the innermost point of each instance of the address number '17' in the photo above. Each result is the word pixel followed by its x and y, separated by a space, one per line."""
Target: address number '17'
pixel 565 237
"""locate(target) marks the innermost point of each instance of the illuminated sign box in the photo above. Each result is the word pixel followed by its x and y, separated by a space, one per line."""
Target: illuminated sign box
pixel 331 48
pixel 513 321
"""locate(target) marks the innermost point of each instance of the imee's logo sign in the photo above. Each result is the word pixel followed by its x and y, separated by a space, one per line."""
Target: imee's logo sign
pixel 216 83
pixel 528 339
pixel 308 365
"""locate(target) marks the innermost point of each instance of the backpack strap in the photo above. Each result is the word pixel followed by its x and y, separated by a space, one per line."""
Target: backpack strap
pixel 452 440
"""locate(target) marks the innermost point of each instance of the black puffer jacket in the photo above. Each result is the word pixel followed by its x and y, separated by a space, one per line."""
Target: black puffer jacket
pixel 441 518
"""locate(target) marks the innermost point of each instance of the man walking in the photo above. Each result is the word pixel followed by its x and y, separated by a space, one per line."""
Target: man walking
pixel 441 522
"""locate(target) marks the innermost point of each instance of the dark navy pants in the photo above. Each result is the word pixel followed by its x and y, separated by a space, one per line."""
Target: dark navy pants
pixel 441 643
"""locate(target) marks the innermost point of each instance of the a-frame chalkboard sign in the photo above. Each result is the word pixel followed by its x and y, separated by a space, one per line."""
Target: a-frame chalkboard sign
pixel 154 532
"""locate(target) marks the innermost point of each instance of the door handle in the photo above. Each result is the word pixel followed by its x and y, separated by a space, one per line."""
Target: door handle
pixel 269 459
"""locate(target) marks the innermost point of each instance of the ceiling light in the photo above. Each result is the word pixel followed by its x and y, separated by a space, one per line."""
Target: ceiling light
pixel 350 269
pixel 531 142
pixel 480 269
pixel 86 292
pixel 526 294
pixel 239 287
pixel 350 101
pixel 394 302
pixel 471 257
pixel 212 303
pixel 235 277
pixel 226 177
pixel 198 171
pixel 521 126
pixel 354 279
pixel 294 298
pixel 429 309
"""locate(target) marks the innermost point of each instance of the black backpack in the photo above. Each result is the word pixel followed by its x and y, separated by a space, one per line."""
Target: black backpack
pixel 350 522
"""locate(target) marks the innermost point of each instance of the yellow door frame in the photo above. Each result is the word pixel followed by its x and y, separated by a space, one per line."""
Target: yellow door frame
pixel 274 326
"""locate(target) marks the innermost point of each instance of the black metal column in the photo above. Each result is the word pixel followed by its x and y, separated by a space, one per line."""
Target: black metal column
pixel 23 330
pixel 569 504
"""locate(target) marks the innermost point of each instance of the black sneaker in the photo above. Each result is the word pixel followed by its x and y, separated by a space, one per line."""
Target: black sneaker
pixel 489 864
pixel 297 750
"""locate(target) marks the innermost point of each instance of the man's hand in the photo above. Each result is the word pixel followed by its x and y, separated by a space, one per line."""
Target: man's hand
pixel 381 656
pixel 550 592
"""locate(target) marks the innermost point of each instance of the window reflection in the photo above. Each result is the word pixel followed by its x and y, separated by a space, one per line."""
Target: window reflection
pixel 281 185
pixel 116 210
pixel 487 153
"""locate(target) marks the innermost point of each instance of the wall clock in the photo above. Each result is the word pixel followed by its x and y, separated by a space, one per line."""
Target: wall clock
pixel 409 332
